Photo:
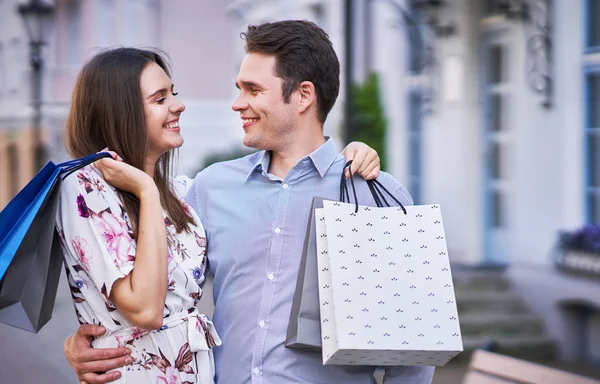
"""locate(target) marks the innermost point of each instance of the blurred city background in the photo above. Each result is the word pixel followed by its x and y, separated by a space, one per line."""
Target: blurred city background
pixel 490 108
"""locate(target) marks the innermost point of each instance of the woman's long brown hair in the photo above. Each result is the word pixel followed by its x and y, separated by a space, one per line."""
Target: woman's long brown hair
pixel 107 112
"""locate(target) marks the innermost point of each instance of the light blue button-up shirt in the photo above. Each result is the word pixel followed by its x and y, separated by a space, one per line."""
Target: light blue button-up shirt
pixel 256 224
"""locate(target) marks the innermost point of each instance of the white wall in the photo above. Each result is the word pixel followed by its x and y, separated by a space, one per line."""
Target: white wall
pixel 545 159
pixel 570 103
pixel 550 147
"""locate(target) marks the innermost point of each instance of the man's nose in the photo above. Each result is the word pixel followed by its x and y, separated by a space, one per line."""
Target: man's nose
pixel 239 104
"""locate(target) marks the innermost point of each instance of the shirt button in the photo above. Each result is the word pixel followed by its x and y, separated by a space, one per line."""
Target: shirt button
pixel 256 371
pixel 262 324
pixel 270 276
pixel 286 186
pixel 277 230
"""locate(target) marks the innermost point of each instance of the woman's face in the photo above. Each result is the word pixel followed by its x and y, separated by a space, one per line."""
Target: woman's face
pixel 162 110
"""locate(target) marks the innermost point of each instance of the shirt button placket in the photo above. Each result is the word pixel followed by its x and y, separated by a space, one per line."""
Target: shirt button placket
pixel 256 372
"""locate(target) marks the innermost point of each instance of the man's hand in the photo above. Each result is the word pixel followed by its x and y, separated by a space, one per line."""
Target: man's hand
pixel 90 364
pixel 365 160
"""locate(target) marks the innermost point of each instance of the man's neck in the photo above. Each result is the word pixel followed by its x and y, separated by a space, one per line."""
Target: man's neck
pixel 282 161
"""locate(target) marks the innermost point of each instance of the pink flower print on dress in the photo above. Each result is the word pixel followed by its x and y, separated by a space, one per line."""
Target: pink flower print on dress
pixel 129 337
pixel 171 376
pixel 116 235
pixel 184 357
pixel 83 252
pixel 171 263
pixel 89 182
pixel 201 241
pixel 82 207
pixel 202 327
pixel 136 333
pixel 121 340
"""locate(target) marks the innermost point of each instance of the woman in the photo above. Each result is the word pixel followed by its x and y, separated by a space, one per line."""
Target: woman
pixel 135 252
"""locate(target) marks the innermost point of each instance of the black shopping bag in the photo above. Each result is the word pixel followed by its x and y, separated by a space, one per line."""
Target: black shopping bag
pixel 30 252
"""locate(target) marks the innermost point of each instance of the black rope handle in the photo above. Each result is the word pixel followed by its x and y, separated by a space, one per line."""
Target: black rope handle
pixel 374 186
pixel 375 195
pixel 344 194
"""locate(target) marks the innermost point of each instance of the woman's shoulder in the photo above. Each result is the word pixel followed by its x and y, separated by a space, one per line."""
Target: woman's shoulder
pixel 181 185
pixel 87 184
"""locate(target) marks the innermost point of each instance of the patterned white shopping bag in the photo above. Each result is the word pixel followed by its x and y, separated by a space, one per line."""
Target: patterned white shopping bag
pixel 385 286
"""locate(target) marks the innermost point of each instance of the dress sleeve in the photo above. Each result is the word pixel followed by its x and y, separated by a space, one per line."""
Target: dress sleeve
pixel 182 185
pixel 95 228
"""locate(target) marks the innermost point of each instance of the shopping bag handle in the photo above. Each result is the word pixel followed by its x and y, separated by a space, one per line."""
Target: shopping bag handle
pixel 344 195
pixel 71 166
pixel 374 186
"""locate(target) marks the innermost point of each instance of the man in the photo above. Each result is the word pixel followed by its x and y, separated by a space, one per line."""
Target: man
pixel 255 209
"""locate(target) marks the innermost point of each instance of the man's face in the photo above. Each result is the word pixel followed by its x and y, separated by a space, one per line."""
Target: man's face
pixel 268 121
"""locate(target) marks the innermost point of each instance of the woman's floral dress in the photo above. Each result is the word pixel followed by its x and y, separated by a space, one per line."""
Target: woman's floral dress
pixel 98 246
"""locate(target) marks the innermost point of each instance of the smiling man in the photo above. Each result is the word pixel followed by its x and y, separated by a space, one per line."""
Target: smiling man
pixel 255 210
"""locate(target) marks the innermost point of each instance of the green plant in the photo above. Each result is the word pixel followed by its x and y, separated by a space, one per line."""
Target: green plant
pixel 369 122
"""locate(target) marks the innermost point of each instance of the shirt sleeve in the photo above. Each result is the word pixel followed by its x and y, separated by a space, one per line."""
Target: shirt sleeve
pixel 96 230
pixel 403 194
pixel 397 189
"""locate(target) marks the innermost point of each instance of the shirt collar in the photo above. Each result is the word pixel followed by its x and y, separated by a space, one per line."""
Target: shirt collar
pixel 261 164
pixel 322 158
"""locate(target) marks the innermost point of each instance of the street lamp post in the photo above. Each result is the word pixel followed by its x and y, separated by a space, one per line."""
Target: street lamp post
pixel 348 132
pixel 37 16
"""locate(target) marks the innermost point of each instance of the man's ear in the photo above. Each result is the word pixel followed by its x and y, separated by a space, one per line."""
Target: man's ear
pixel 308 96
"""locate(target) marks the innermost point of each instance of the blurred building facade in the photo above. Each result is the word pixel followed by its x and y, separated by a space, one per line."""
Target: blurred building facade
pixel 507 126
pixel 492 110
pixel 196 35
pixel 473 123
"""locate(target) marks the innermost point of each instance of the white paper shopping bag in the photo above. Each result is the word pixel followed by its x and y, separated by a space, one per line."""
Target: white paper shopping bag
pixel 385 286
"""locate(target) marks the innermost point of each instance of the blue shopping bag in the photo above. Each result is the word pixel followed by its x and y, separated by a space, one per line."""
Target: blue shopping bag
pixel 30 252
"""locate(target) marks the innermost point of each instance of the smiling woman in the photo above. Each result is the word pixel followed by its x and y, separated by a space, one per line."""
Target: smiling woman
pixel 162 110
pixel 135 253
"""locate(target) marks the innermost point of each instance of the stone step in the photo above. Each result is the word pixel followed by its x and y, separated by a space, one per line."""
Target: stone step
pixel 480 281
pixel 496 324
pixel 489 302
pixel 535 348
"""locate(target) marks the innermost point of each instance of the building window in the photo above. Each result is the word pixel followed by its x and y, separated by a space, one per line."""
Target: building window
pixel 592 135
pixel 489 7
pixel 496 130
pixel 15 67
pixel 106 18
pixel 2 70
pixel 415 123
pixel 318 13
pixel 13 169
pixel 592 23
pixel 73 32
pixel 132 10
pixel 593 350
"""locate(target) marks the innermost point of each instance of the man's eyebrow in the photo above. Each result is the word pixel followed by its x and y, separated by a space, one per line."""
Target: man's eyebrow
pixel 160 91
pixel 248 84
